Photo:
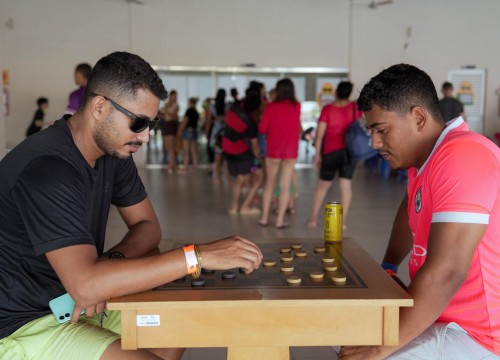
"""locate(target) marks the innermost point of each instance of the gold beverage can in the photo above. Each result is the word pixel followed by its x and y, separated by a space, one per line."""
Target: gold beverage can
pixel 333 221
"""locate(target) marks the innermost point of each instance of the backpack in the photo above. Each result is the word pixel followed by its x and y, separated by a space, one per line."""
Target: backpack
pixel 359 142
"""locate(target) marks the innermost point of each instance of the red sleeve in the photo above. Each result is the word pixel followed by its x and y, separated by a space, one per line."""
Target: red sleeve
pixel 323 117
pixel 264 121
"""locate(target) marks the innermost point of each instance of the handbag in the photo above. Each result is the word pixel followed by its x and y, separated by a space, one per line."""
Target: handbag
pixel 359 141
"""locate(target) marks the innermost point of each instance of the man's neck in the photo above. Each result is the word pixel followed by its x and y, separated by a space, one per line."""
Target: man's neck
pixel 81 133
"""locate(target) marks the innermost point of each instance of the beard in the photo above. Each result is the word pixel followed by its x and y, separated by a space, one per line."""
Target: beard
pixel 104 135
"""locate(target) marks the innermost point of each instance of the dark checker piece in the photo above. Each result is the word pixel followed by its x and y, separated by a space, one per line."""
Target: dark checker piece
pixel 207 271
pixel 228 275
pixel 198 282
pixel 241 270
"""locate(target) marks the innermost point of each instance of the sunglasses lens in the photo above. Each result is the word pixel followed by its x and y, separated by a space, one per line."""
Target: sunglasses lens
pixel 139 124
pixel 153 125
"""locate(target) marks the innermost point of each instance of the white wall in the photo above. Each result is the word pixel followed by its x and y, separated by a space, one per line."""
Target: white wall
pixel 50 37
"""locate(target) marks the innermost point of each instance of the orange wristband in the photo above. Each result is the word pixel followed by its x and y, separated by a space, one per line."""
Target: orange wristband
pixel 191 259
pixel 391 272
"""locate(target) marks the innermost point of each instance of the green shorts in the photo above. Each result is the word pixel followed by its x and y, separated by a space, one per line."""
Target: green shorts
pixel 45 338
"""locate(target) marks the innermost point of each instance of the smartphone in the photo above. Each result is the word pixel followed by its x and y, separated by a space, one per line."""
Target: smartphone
pixel 62 307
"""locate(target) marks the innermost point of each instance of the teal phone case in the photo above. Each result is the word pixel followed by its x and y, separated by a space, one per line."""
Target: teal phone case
pixel 62 307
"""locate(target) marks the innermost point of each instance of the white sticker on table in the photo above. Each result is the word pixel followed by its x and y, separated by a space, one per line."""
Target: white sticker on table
pixel 148 320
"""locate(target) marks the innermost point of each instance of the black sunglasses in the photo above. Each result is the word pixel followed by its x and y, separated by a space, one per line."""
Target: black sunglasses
pixel 139 123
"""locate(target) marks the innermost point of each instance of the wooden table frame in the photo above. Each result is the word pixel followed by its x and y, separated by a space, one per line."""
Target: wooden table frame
pixel 264 323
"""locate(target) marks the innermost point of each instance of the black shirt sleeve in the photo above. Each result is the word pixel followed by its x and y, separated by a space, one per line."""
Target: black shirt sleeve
pixel 52 200
pixel 127 188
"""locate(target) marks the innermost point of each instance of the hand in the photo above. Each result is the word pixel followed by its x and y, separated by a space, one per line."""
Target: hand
pixel 229 253
pixel 90 311
pixel 317 161
pixel 364 352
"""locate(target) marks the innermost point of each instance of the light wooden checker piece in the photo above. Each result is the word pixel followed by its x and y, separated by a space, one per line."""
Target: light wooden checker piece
pixel 293 280
pixel 286 257
pixel 316 275
pixel 296 246
pixel 327 260
pixel 287 268
pixel 339 278
pixel 285 250
pixel 319 249
pixel 330 267
pixel 301 254
pixel 269 263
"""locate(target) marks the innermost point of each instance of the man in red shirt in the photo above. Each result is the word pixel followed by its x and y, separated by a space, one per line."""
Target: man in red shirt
pixel 449 220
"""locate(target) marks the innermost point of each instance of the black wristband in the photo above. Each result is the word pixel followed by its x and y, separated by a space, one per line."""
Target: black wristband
pixel 115 255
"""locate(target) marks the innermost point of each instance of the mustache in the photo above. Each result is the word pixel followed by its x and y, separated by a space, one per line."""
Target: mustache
pixel 134 143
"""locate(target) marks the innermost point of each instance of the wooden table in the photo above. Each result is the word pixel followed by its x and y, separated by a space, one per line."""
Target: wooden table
pixel 264 323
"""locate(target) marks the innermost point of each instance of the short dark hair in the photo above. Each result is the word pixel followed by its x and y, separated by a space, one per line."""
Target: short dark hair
pixel 344 90
pixel 257 85
pixel 447 85
pixel 285 90
pixel 84 69
pixel 234 92
pixel 220 102
pixel 252 99
pixel 399 88
pixel 42 100
pixel 120 75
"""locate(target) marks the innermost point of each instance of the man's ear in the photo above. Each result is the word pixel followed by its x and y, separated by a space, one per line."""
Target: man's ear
pixel 97 107
pixel 420 116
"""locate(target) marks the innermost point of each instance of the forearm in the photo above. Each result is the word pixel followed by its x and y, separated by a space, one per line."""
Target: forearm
pixel 256 149
pixel 141 239
pixel 91 281
pixel 401 239
pixel 320 133
pixel 127 276
pixel 431 293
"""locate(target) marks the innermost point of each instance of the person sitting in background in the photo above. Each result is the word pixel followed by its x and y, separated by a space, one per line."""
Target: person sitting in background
pixel 331 153
pixel 37 122
pixel 56 191
pixel 188 130
pixel 82 74
pixel 448 221
pixel 451 107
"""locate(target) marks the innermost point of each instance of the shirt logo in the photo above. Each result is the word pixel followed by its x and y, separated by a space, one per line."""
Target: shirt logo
pixel 419 251
pixel 418 200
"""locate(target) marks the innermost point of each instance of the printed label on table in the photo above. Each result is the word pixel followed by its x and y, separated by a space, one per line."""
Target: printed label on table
pixel 148 320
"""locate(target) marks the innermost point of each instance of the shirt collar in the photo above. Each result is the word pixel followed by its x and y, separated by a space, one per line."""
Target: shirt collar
pixel 450 126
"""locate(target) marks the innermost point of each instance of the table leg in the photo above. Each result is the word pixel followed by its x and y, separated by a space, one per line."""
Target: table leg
pixel 252 353
pixel 129 330
pixel 391 325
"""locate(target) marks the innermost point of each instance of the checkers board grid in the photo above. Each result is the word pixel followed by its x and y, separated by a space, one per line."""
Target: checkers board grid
pixel 271 277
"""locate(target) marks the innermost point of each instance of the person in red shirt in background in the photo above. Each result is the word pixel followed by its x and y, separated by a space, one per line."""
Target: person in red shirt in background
pixel 331 154
pixel 281 123
pixel 242 161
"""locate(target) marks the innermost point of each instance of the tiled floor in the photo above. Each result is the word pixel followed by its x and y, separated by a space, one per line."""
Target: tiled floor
pixel 192 206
